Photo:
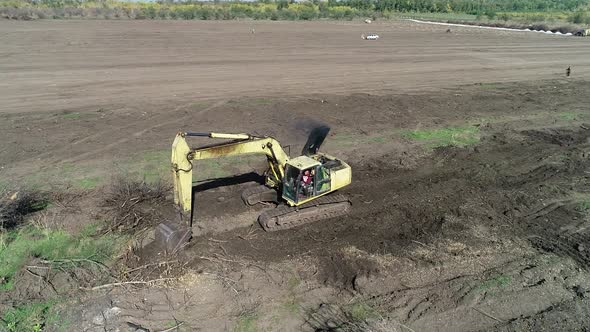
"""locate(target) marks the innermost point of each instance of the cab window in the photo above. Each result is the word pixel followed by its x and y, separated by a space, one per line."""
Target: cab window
pixel 323 181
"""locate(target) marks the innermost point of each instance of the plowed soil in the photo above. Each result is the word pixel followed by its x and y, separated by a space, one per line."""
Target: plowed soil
pixel 483 229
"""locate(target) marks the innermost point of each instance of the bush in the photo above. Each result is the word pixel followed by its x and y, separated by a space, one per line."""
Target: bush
pixel 579 17
pixel 539 27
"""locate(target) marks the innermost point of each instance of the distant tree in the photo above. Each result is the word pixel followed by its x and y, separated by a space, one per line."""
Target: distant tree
pixel 282 4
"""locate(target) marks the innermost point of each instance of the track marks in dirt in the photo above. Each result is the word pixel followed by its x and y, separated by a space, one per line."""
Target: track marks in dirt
pixel 157 122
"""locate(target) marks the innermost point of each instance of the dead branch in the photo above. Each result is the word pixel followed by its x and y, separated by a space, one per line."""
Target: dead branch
pixel 74 260
pixel 218 241
pixel 423 244
pixel 151 264
pixel 44 279
pixel 114 284
pixel 179 324
pixel 488 315
pixel 223 249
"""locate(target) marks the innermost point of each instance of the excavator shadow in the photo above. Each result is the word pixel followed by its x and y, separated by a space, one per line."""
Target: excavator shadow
pixel 209 184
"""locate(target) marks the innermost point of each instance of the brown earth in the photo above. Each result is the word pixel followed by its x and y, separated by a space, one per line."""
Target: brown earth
pixel 491 236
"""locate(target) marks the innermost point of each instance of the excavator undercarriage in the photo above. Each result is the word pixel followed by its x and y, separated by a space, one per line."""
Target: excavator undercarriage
pixel 285 217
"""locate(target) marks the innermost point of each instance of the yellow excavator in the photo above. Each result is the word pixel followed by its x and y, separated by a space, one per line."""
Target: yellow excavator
pixel 302 187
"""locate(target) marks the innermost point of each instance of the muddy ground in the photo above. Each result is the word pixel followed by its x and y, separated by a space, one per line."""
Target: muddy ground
pixel 482 230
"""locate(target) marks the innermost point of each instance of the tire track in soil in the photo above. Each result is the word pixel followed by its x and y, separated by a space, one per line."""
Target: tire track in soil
pixel 118 130
pixel 141 132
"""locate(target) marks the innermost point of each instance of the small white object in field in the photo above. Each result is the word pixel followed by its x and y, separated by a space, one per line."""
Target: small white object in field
pixel 370 37
pixel 368 21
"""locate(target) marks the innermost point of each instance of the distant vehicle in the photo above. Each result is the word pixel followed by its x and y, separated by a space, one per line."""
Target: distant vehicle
pixel 370 37
pixel 368 21
pixel 582 33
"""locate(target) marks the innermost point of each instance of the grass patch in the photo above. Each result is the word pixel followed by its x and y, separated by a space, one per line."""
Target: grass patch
pixel 90 230
pixel 200 105
pixel 150 167
pixel 19 246
pixel 76 116
pixel 459 137
pixel 494 283
pixel 361 312
pixel 568 116
pixel 155 165
pixel 293 283
pixel 247 323
pixel 583 206
pixel 29 318
pixel 89 183
pixel 72 116
pixel 488 86
pixel 437 16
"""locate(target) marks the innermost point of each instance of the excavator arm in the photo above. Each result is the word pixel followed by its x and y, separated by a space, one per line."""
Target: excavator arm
pixel 183 157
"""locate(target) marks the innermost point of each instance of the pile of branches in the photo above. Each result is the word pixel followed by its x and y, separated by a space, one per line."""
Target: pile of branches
pixel 15 205
pixel 134 206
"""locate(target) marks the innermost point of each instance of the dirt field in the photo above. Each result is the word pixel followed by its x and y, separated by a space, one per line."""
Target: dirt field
pixel 470 155
pixel 50 66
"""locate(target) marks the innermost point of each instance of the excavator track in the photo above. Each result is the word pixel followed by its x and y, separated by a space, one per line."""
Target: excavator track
pixel 257 194
pixel 285 217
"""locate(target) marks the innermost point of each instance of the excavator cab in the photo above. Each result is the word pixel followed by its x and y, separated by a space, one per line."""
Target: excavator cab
pixel 308 177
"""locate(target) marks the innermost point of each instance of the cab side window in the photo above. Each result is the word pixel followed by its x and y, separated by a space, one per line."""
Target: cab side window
pixel 323 181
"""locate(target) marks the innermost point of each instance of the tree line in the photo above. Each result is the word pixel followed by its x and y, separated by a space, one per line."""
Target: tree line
pixel 285 9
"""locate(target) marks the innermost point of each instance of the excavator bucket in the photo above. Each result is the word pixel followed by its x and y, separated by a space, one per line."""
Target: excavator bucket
pixel 170 238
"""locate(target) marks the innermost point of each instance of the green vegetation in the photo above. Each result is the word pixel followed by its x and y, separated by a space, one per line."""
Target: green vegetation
pixel 200 105
pixel 575 11
pixel 568 116
pixel 293 283
pixel 247 323
pixel 89 183
pixel 151 166
pixel 29 318
pixel 361 311
pixel 584 206
pixel 72 116
pixel 56 246
pixel 488 86
pixel 497 282
pixel 459 137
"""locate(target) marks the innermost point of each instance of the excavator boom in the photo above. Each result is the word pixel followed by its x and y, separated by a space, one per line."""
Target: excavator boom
pixel 241 144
